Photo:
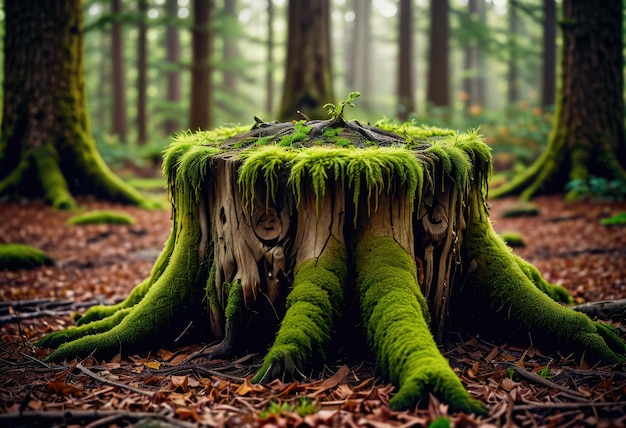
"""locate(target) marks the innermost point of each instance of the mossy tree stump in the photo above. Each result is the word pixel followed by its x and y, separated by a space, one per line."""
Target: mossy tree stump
pixel 275 228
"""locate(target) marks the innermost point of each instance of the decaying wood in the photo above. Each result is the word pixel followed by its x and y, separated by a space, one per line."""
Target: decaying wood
pixel 604 310
pixel 443 223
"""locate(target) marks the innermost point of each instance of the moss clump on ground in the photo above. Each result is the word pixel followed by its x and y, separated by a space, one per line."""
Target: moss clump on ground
pixel 20 256
pixel 101 217
pixel 521 209
pixel 616 220
pixel 513 238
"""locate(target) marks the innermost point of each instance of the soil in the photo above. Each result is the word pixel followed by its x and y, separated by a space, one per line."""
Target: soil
pixel 101 264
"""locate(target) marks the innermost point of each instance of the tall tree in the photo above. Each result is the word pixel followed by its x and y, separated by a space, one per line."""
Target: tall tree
pixel 512 86
pixel 548 81
pixel 230 52
pixel 588 133
pixel 469 60
pixel 142 72
pixel 437 93
pixel 359 52
pixel 174 80
pixel 120 121
pixel 308 78
pixel 46 146
pixel 269 72
pixel 406 103
pixel 201 69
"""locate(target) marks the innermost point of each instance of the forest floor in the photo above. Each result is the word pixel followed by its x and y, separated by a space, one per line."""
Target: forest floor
pixel 101 263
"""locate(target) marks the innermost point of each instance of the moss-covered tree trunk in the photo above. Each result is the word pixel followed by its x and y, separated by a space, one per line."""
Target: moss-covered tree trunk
pixel 46 146
pixel 308 80
pixel 587 138
pixel 276 228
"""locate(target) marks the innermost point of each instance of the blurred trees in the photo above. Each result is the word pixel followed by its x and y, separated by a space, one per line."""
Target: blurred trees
pixel 174 92
pixel 142 72
pixel 438 55
pixel 118 75
pixel 548 81
pixel 587 139
pixel 406 103
pixel 250 48
pixel 46 147
pixel 308 80
pixel 201 84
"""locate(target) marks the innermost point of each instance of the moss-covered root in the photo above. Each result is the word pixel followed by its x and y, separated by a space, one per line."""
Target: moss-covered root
pixel 57 338
pixel 554 291
pixel 168 306
pixel 312 306
pixel 103 311
pixel 394 314
pixel 523 307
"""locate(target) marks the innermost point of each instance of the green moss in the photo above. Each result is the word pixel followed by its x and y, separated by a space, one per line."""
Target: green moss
pixel 101 217
pixel 616 220
pixel 51 178
pixel 513 238
pixel 57 338
pixel 554 291
pixel 512 294
pixel 20 256
pixel 312 306
pixel 395 315
pixel 103 311
pixel 155 320
pixel 521 209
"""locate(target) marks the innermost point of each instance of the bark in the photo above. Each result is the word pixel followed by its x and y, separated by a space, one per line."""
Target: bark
pixel 308 81
pixel 142 73
pixel 548 72
pixel 269 74
pixel 230 52
pixel 437 93
pixel 277 229
pixel 46 148
pixel 359 57
pixel 200 114
pixel 120 122
pixel 406 103
pixel 174 83
pixel 587 138
pixel 512 87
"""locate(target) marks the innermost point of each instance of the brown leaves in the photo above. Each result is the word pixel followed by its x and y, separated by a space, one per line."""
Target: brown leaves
pixel 106 262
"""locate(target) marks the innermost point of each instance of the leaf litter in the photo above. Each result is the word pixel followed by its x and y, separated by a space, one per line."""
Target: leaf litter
pixel 102 263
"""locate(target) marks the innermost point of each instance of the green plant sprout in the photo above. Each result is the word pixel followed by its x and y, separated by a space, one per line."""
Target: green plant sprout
pixel 336 111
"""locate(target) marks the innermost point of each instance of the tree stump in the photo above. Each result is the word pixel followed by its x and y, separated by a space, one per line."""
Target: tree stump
pixel 275 227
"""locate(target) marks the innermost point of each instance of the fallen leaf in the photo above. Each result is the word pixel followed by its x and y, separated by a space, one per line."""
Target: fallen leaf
pixel 246 387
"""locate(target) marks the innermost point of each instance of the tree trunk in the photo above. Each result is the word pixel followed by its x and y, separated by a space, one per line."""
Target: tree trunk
pixel 284 224
pixel 587 138
pixel 269 73
pixel 46 147
pixel 120 122
pixel 437 91
pixel 512 87
pixel 406 103
pixel 548 87
pixel 469 61
pixel 359 64
pixel 200 115
pixel 230 52
pixel 142 73
pixel 174 84
pixel 308 82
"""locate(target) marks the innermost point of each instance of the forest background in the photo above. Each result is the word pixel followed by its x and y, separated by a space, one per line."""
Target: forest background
pixel 492 64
